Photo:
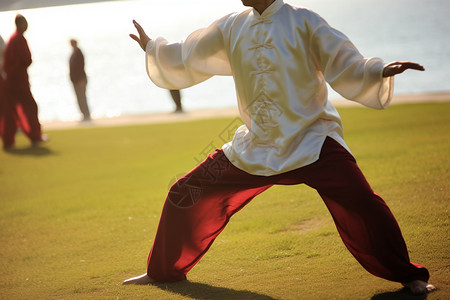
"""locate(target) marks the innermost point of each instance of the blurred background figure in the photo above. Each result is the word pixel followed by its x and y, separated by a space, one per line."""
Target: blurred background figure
pixel 2 51
pixel 79 79
pixel 2 97
pixel 21 108
pixel 176 96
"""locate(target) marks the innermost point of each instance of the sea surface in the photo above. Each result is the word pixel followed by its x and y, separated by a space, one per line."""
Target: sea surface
pixel 410 30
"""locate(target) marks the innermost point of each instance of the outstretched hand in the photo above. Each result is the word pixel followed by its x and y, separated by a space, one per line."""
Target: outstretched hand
pixel 398 67
pixel 143 38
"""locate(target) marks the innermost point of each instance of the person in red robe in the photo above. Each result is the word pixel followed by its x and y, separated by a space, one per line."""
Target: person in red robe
pixel 2 97
pixel 19 107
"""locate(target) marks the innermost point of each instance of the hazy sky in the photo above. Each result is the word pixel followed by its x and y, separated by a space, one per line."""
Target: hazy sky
pixel 25 4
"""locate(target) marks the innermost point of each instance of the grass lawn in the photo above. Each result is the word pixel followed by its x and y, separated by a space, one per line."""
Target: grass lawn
pixel 78 216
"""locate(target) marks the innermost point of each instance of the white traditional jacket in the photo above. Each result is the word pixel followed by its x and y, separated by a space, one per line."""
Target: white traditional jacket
pixel 280 61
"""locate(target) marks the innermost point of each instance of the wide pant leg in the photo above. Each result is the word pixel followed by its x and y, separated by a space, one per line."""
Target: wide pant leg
pixel 364 221
pixel 197 209
pixel 26 112
pixel 80 93
pixel 200 204
pixel 8 123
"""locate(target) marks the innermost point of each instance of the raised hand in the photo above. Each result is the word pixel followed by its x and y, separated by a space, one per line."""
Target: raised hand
pixel 398 67
pixel 143 37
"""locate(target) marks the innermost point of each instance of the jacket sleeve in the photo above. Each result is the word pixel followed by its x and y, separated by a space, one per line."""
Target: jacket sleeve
pixel 347 71
pixel 184 64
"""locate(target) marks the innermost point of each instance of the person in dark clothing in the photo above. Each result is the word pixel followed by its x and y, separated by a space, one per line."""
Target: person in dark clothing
pixel 79 79
pixel 176 97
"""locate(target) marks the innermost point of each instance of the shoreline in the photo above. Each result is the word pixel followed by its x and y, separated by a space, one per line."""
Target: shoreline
pixel 170 117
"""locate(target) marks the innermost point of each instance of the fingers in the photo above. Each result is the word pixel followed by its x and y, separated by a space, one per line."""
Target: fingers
pixel 138 28
pixel 140 31
pixel 399 67
pixel 134 37
pixel 410 65
pixel 143 39
pixel 404 65
pixel 138 40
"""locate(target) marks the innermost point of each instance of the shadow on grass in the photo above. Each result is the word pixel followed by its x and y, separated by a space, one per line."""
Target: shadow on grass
pixel 30 151
pixel 402 294
pixel 196 290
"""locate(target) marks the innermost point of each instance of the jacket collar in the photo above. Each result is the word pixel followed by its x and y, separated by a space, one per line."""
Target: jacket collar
pixel 273 8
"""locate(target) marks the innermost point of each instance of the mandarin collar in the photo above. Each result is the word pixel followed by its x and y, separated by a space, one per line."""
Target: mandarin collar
pixel 273 8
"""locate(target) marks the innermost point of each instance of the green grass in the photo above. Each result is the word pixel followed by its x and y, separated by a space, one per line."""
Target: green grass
pixel 78 216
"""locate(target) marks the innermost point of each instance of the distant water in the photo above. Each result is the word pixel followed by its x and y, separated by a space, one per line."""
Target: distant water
pixel 415 30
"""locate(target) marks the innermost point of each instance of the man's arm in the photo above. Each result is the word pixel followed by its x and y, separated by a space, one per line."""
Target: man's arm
pixel 183 64
pixel 398 67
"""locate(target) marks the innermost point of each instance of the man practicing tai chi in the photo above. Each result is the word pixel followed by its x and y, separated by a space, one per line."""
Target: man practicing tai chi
pixel 280 57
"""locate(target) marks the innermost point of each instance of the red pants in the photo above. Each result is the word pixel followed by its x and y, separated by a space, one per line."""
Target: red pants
pixel 7 117
pixel 200 204
pixel 19 110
